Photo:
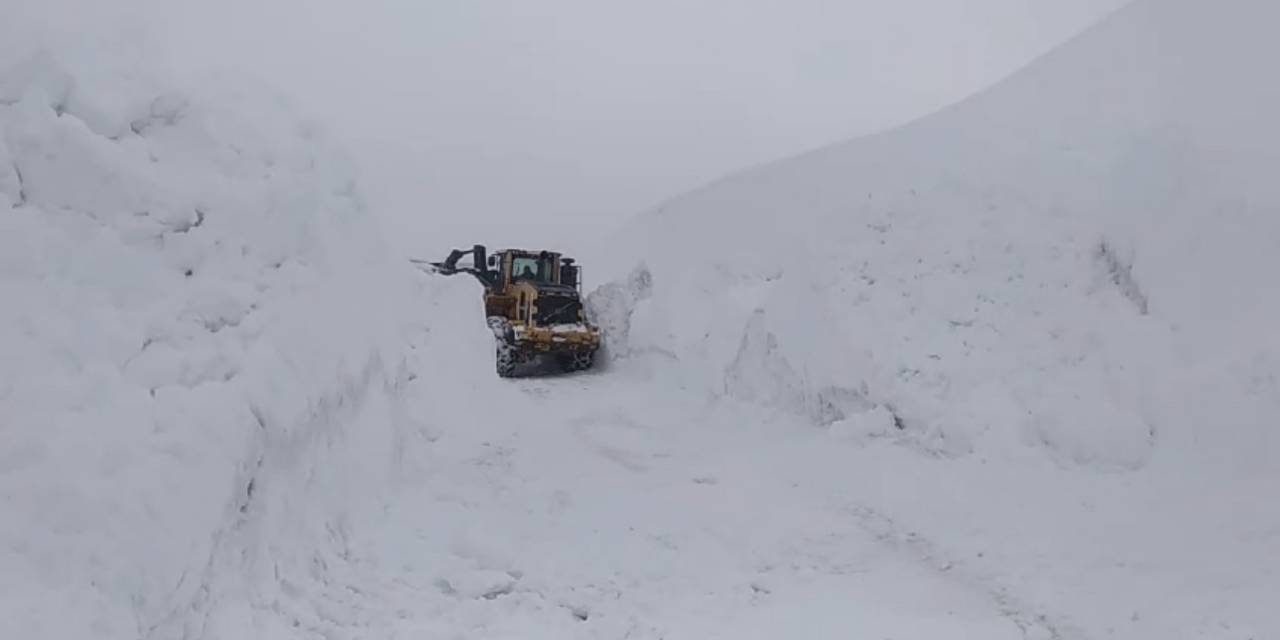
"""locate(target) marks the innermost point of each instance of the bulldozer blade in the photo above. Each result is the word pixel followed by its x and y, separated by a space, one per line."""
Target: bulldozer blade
pixel 432 267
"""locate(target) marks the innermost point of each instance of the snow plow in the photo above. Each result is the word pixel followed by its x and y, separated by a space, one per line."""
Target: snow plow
pixel 533 305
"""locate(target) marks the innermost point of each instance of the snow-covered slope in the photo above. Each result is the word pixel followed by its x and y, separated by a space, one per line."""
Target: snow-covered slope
pixel 1036 329
pixel 199 329
pixel 1072 273
pixel 1106 216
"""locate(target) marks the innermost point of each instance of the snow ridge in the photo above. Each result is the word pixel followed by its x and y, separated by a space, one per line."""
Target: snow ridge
pixel 1042 320
pixel 1024 230
pixel 189 328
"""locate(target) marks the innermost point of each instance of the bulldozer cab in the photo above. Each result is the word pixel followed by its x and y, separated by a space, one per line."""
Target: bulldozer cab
pixel 521 279
pixel 533 304
pixel 532 269
pixel 540 267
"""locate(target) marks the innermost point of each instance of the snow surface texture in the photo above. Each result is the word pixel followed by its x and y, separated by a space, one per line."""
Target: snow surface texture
pixel 1063 291
pixel 1034 330
pixel 195 319
pixel 226 416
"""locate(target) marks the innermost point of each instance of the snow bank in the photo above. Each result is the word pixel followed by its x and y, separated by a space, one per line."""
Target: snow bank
pixel 1039 326
pixel 201 350
pixel 1079 262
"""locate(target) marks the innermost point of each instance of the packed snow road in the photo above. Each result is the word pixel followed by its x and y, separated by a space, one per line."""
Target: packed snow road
pixel 610 505
pixel 620 504
pixel 625 502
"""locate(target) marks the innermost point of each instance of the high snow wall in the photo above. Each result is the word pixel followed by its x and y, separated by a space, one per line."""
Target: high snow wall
pixel 1078 263
pixel 202 348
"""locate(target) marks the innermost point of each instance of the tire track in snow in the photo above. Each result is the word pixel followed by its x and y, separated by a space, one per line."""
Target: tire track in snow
pixel 1034 623
pixel 612 437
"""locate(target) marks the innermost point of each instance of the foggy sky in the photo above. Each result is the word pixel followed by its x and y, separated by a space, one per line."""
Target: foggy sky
pixel 519 122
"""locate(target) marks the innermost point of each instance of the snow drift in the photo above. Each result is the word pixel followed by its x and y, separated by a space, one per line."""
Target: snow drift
pixel 1081 259
pixel 1062 292
pixel 201 351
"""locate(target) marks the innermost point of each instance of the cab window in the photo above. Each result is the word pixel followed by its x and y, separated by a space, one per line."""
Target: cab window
pixel 530 269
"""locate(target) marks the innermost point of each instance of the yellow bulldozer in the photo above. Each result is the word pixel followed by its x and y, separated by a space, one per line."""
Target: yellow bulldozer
pixel 533 304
